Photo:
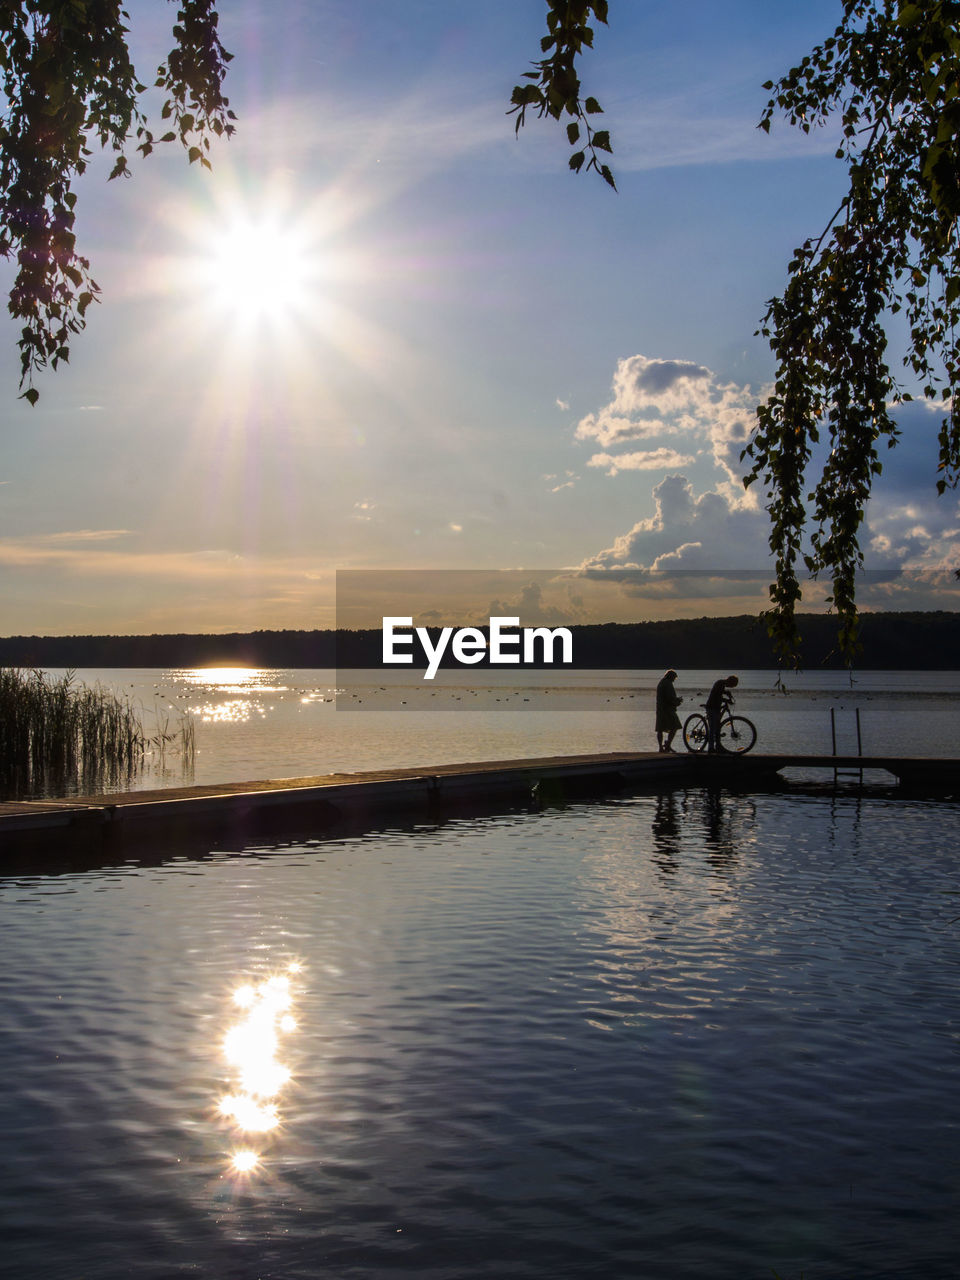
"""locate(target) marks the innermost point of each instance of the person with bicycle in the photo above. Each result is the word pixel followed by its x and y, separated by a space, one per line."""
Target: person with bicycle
pixel 719 701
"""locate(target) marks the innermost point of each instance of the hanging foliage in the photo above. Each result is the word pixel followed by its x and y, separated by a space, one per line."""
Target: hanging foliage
pixel 891 74
pixel 68 87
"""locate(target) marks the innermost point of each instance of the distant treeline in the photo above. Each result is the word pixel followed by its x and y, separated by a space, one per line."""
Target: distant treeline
pixel 891 641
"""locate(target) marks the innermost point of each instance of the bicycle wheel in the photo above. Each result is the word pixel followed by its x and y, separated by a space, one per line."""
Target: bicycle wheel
pixel 695 732
pixel 737 735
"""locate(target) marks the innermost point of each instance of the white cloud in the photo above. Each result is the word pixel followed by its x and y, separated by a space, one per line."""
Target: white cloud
pixel 653 399
pixel 725 527
pixel 648 398
pixel 648 460
pixel 710 546
pixel 658 402
pixel 689 532
pixel 914 534
pixel 712 121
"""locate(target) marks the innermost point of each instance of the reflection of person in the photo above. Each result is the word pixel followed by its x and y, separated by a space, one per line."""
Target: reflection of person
pixel 717 703
pixel 668 722
pixel 666 833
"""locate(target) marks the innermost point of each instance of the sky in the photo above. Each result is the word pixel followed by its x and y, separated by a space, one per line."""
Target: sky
pixel 384 333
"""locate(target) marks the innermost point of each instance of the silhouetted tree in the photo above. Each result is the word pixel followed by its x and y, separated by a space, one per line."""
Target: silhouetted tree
pixel 68 84
pixel 891 74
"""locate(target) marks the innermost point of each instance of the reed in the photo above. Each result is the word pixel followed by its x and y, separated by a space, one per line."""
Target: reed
pixel 58 737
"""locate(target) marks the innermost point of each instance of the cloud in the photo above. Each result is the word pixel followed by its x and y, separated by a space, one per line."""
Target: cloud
pixel 82 536
pixel 661 402
pixel 119 590
pixel 694 555
pixel 56 551
pixel 914 534
pixel 657 401
pixel 647 397
pixel 649 460
pixel 689 532
pixel 533 610
pixel 707 548
pixel 653 399
pixel 708 123
pixel 422 133
pixel 707 119
pixel 908 589
pixel 570 479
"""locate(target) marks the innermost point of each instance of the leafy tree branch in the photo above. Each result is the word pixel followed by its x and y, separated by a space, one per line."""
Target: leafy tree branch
pixel 68 84
pixel 891 74
pixel 554 86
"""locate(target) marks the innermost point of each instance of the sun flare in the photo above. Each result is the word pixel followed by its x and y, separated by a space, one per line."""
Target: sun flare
pixel 258 268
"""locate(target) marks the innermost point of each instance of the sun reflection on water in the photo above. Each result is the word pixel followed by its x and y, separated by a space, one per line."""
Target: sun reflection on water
pixel 232 695
pixel 233 711
pixel 251 1048
pixel 234 679
pixel 246 677
pixel 244 1161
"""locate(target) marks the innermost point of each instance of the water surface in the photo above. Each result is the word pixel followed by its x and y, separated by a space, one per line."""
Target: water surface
pixel 690 1035
pixel 271 723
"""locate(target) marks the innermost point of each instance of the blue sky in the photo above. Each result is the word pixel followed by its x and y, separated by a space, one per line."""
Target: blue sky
pixel 454 353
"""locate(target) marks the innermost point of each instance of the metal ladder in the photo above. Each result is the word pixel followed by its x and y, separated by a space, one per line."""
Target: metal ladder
pixel 849 772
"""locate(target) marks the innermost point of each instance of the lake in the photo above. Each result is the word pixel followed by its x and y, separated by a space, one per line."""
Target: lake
pixel 684 1036
pixel 680 1035
pixel 254 724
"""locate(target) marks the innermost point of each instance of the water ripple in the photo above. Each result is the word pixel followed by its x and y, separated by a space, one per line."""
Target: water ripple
pixel 539 1046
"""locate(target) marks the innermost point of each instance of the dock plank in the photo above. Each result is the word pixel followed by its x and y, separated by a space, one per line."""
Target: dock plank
pixel 251 808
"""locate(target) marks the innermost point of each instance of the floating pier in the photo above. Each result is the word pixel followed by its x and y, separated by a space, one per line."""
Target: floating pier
pixel 234 814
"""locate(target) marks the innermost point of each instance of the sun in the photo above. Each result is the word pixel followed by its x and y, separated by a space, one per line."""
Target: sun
pixel 258 268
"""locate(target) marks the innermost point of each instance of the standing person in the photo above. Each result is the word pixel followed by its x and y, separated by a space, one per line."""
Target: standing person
pixel 717 703
pixel 668 722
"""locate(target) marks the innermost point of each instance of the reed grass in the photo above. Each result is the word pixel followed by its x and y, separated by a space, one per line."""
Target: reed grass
pixel 58 737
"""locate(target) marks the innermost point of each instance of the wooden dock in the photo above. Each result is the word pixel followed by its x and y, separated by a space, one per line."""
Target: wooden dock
pixel 232 814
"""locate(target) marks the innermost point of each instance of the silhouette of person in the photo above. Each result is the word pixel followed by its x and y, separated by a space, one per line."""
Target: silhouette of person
pixel 668 722
pixel 717 703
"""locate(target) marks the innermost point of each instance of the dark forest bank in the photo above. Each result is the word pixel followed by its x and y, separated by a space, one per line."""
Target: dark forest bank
pixel 891 641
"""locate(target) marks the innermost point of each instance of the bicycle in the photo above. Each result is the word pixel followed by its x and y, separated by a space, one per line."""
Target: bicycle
pixel 738 735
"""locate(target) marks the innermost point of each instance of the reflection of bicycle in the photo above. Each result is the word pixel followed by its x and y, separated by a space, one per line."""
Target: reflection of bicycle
pixel 737 733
